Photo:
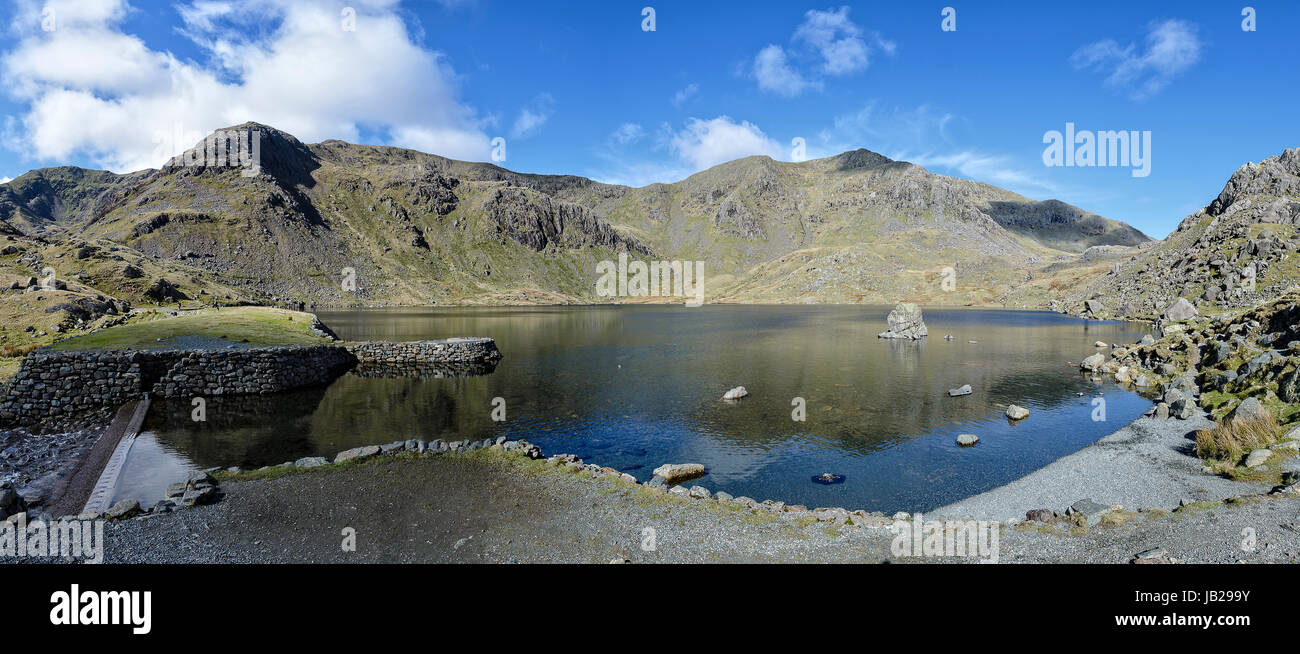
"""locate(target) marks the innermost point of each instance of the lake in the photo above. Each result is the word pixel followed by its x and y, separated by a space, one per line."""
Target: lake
pixel 634 387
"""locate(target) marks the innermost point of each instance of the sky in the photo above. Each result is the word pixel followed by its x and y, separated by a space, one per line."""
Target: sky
pixel 654 91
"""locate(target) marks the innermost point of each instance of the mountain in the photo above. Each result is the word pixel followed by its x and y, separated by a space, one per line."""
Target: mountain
pixel 1235 252
pixel 416 228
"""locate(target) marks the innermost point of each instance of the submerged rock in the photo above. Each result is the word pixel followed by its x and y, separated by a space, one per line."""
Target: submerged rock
pixel 828 478
pixel 735 393
pixel 905 322
pixel 964 389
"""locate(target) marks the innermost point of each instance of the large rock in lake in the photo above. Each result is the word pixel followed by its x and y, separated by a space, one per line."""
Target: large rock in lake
pixel 905 322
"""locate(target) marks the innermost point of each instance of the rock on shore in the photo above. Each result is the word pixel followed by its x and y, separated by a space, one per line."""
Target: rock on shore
pixel 676 472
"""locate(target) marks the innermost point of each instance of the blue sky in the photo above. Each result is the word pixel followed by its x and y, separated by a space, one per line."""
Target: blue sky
pixel 581 88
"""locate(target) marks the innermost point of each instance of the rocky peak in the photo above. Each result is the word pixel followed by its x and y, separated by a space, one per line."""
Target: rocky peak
pixel 251 149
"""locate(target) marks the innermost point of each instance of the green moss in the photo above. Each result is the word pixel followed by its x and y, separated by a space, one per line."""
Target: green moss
pixel 256 325
pixel 759 518
pixel 1117 518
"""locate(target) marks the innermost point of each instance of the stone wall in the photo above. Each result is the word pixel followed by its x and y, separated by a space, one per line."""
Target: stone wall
pixel 453 357
pixel 51 384
pixel 55 384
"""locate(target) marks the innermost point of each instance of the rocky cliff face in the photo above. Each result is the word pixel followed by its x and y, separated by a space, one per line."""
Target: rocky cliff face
pixel 1233 253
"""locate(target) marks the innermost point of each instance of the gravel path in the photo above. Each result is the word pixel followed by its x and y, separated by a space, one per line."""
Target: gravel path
pixel 483 507
pixel 1147 464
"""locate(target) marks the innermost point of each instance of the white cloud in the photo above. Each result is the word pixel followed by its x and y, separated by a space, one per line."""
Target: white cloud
pixel 91 90
pixel 837 45
pixel 707 143
pixel 921 136
pixel 676 153
pixel 1172 47
pixel 685 94
pixel 775 75
pixel 532 117
pixel 628 133
pixel 6 180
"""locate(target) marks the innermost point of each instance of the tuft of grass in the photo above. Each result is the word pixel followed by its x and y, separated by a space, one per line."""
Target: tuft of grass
pixel 1117 518
pixel 10 350
pixel 1231 439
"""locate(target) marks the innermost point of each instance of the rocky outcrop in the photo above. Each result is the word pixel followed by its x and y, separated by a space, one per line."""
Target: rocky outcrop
pixel 1228 255
pixel 905 322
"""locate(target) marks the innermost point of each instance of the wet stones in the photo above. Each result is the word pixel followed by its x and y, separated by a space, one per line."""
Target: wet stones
pixel 1015 412
pixel 964 389
pixel 123 510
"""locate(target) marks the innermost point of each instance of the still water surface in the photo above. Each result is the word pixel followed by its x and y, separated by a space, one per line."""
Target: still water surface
pixel 635 387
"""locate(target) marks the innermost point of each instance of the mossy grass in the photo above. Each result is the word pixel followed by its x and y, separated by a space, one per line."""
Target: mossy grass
pixel 234 325
pixel 1231 439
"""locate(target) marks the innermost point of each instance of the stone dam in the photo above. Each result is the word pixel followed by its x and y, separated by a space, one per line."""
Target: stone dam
pixel 51 384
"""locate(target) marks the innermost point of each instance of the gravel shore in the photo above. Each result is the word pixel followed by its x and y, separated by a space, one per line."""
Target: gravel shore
pixel 486 507
pixel 1149 463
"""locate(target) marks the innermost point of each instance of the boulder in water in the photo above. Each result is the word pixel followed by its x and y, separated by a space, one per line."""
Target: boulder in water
pixel 1016 412
pixel 905 322
pixel 735 393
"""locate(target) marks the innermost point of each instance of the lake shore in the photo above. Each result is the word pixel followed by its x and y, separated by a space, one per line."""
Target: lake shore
pixel 1149 463
pixel 486 506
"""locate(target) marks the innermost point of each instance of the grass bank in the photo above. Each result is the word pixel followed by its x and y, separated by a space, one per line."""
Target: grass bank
pixel 205 327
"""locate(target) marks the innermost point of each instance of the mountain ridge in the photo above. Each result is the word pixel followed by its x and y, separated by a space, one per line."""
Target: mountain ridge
pixel 418 228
